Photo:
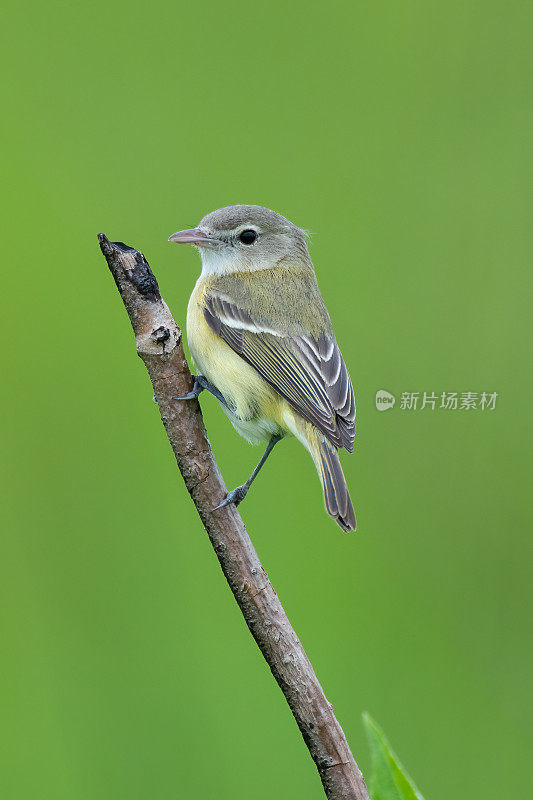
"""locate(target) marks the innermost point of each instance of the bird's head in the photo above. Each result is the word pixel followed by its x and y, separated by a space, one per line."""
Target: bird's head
pixel 245 238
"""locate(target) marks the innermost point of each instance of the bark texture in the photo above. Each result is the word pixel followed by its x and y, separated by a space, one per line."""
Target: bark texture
pixel 159 344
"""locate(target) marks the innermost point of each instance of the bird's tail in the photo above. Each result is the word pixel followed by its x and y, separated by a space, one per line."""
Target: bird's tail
pixel 336 496
pixel 326 458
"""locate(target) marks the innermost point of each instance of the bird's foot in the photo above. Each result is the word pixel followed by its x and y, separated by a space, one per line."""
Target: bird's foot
pixel 201 383
pixel 236 496
pixel 190 396
pixel 196 390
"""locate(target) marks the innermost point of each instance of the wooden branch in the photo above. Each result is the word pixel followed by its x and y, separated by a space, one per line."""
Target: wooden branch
pixel 160 347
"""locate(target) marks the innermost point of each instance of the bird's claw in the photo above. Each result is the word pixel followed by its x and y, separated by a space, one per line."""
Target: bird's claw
pixel 198 386
pixel 236 496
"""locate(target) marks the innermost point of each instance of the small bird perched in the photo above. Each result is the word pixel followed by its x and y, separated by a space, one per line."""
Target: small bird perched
pixel 262 341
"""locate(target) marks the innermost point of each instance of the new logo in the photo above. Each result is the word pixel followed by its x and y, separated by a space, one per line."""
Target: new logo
pixel 384 400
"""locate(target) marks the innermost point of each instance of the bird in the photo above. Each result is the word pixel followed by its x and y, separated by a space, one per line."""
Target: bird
pixel 262 343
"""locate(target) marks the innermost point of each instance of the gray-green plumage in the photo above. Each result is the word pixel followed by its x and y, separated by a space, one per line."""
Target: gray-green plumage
pixel 260 334
pixel 306 368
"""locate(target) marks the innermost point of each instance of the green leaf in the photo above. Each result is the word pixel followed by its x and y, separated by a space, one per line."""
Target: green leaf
pixel 389 780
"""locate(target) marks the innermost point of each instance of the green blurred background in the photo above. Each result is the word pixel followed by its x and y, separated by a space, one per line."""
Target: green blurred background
pixel 400 135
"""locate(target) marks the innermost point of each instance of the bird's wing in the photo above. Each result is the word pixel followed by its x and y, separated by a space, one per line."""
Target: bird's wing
pixel 309 372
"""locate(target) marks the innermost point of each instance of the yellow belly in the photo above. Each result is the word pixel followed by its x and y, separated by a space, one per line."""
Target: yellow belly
pixel 255 409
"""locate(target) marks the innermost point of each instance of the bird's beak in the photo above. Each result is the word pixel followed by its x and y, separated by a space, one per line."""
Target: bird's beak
pixel 195 237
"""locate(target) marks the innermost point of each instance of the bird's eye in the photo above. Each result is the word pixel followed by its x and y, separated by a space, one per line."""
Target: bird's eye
pixel 248 236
